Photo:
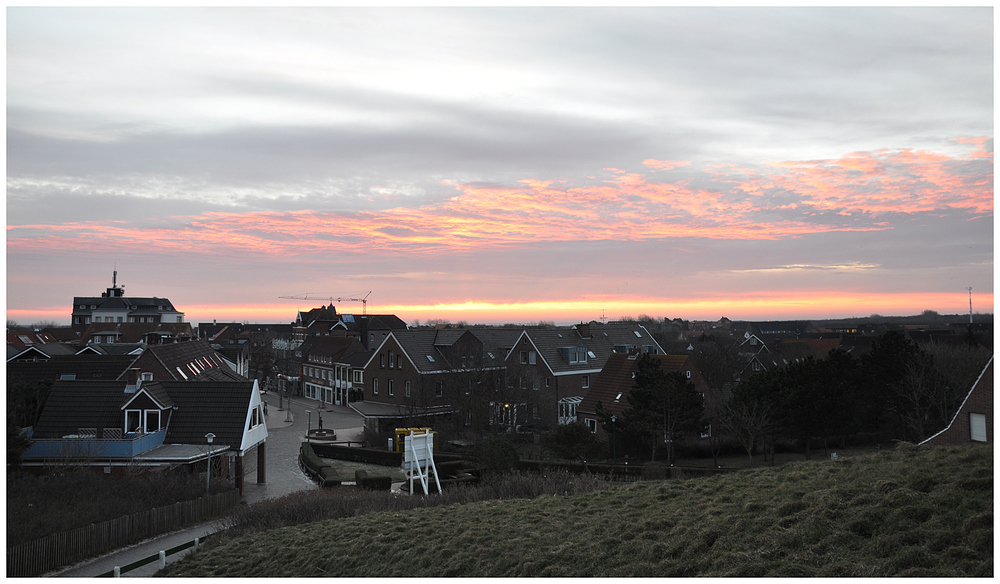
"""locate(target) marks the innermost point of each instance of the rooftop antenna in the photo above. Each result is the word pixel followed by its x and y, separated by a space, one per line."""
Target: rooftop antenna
pixel 969 288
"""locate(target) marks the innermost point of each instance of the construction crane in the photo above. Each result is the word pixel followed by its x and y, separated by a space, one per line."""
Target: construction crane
pixel 331 299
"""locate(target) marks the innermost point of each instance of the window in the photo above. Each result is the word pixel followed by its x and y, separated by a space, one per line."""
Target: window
pixel 375 386
pixel 390 388
pixel 358 376
pixel 524 357
pixel 152 420
pixel 390 359
pixel 592 424
pixel 430 358
pixel 147 376
pixel 131 319
pixel 689 374
pixel 119 319
pixel 133 420
pixel 977 427
pixel 439 389
pixel 706 432
pixel 406 388
pixel 531 358
pixel 619 396
pixel 399 361
pixel 381 361
pixel 586 381
pixel 86 320
pixel 548 381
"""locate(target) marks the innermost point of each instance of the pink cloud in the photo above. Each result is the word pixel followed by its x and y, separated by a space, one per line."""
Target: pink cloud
pixel 665 164
pixel 778 201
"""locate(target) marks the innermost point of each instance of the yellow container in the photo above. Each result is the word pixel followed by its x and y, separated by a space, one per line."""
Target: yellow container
pixel 399 445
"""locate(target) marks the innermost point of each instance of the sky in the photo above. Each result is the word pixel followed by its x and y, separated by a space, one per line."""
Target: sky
pixel 504 165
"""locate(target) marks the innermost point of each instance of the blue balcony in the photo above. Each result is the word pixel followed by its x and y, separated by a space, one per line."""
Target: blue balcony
pixel 85 448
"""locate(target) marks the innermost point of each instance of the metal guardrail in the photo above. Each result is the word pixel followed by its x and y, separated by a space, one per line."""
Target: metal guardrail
pixel 117 571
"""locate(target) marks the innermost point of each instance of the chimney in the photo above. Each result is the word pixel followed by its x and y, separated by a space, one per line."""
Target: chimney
pixel 584 330
pixel 132 375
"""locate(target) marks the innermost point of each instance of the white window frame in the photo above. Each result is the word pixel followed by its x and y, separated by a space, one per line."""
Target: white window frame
pixel 977 427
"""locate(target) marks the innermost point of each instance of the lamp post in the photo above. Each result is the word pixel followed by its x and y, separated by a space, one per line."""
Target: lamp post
pixel 614 440
pixel 208 475
pixel 309 425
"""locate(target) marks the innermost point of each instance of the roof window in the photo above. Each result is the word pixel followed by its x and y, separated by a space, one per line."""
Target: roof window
pixel 637 334
pixel 430 358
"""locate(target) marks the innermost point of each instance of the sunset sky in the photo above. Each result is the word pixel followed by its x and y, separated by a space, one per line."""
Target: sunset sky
pixel 502 165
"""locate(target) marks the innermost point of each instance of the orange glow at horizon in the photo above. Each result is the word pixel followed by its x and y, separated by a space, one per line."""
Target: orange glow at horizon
pixel 778 201
pixel 762 306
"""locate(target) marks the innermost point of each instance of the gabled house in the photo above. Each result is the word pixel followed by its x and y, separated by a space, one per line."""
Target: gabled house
pixel 130 423
pixel 560 363
pixel 973 422
pixel 328 371
pixel 614 384
pixel 114 307
pixel 414 374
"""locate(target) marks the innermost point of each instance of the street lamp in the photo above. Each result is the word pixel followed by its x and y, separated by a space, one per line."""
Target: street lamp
pixel 309 425
pixel 614 439
pixel 208 475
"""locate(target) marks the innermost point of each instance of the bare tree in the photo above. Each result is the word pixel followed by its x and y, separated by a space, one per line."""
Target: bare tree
pixel 748 421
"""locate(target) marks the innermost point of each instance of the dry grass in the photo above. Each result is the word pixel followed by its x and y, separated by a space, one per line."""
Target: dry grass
pixel 922 513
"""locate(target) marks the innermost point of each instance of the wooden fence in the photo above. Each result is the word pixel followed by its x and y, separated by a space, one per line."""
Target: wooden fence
pixel 59 549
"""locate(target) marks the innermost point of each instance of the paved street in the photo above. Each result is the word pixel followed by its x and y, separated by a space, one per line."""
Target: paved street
pixel 283 477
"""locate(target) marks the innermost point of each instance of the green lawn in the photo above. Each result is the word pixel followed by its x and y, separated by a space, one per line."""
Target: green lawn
pixel 910 513
pixel 346 468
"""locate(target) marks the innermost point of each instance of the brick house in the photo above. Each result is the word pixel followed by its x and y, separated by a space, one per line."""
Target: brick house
pixel 559 364
pixel 973 422
pixel 328 369
pixel 614 383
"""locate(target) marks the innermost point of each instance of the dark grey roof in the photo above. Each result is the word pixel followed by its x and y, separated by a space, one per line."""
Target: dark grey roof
pixel 84 367
pixel 553 344
pixel 418 344
pixel 197 359
pixel 81 404
pixel 195 409
pixel 497 341
pixel 207 406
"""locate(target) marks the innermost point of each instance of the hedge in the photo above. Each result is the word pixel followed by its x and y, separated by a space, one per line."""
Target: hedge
pixel 326 474
pixel 366 455
pixel 379 483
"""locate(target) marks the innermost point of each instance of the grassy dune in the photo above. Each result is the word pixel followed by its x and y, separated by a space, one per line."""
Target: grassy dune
pixel 916 513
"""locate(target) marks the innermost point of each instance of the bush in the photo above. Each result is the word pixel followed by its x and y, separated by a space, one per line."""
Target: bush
pixel 38 506
pixel 496 454
pixel 574 441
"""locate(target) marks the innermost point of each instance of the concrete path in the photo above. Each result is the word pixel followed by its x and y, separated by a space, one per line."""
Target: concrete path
pixel 286 430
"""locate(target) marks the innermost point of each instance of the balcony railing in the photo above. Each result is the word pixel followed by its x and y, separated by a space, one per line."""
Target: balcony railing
pixel 89 447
